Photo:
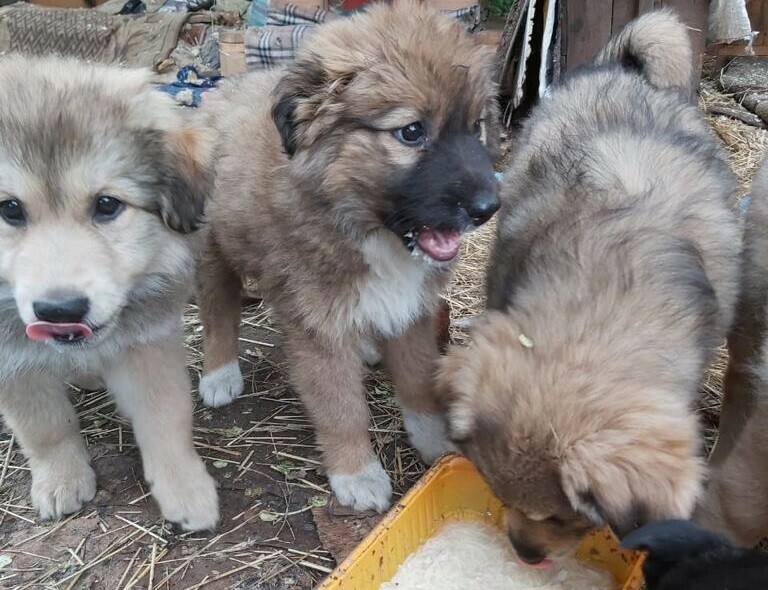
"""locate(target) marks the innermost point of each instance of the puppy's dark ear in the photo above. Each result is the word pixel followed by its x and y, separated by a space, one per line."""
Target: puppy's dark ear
pixel 187 176
pixel 293 98
pixel 283 115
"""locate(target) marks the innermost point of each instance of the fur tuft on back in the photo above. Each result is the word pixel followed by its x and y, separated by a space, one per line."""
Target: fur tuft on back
pixel 658 46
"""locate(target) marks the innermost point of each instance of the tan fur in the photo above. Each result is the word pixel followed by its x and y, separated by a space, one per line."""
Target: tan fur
pixel 65 139
pixel 612 282
pixel 309 227
pixel 736 499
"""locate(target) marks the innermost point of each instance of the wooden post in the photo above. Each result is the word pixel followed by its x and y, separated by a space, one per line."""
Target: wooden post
pixel 587 28
pixel 590 23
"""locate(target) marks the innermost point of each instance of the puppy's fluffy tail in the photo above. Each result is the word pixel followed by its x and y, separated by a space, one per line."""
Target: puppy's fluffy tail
pixel 658 46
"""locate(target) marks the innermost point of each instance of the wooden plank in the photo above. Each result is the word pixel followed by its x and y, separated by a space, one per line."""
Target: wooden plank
pixel 623 12
pixel 510 45
pixel 738 51
pixel 588 27
pixel 758 18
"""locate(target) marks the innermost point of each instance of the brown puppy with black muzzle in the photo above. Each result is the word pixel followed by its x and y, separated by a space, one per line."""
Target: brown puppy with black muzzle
pixel 102 187
pixel 612 282
pixel 345 185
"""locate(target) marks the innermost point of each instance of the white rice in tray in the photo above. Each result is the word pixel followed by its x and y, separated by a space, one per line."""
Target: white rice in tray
pixel 469 555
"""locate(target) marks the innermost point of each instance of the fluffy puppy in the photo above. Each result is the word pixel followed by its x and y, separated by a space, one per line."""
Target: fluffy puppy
pixel 612 281
pixel 682 556
pixel 345 185
pixel 736 499
pixel 101 188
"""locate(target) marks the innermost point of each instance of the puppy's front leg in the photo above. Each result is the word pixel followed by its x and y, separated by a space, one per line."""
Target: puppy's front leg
pixel 36 408
pixel 412 361
pixel 152 388
pixel 329 380
pixel 218 299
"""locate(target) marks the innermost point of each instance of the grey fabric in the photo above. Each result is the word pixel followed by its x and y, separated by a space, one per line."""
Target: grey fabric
pixel 729 21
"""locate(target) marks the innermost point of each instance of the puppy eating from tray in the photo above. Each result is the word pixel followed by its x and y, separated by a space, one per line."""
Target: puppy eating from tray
pixel 101 188
pixel 344 187
pixel 612 282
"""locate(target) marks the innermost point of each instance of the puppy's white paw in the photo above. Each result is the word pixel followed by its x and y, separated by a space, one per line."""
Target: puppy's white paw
pixel 222 385
pixel 61 484
pixel 428 434
pixel 370 352
pixel 368 489
pixel 186 494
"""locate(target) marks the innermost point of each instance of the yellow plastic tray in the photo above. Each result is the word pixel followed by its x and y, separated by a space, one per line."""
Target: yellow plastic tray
pixel 454 490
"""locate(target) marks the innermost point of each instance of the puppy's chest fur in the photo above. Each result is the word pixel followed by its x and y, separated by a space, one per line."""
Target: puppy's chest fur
pixel 397 290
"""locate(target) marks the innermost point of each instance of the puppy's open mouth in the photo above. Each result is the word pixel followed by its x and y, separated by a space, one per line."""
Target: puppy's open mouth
pixel 439 245
pixel 60 333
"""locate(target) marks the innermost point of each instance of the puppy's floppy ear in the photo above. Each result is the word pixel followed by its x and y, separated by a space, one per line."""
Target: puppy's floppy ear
pixel 627 477
pixel 187 177
pixel 297 96
pixel 179 151
pixel 300 81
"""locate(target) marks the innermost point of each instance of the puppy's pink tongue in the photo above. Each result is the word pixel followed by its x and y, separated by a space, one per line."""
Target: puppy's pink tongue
pixel 440 245
pixel 42 331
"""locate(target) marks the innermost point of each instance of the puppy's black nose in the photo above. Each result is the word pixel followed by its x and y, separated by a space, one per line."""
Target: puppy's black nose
pixel 61 311
pixel 482 207
pixel 528 554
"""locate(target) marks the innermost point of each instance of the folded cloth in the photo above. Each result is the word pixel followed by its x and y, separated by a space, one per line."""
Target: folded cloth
pixel 136 41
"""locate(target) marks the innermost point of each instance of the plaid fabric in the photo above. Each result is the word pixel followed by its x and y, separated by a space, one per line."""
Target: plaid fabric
pixel 279 12
pixel 273 46
pixel 290 14
pixel 275 43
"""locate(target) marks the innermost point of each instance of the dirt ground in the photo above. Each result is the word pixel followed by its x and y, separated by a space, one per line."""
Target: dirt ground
pixel 279 528
pixel 260 450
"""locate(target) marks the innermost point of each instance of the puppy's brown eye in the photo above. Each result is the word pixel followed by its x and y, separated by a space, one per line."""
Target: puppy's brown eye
pixel 12 212
pixel 412 134
pixel 107 208
pixel 556 520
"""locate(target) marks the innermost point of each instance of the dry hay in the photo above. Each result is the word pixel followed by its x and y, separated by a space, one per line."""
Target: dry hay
pixel 746 144
pixel 260 450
